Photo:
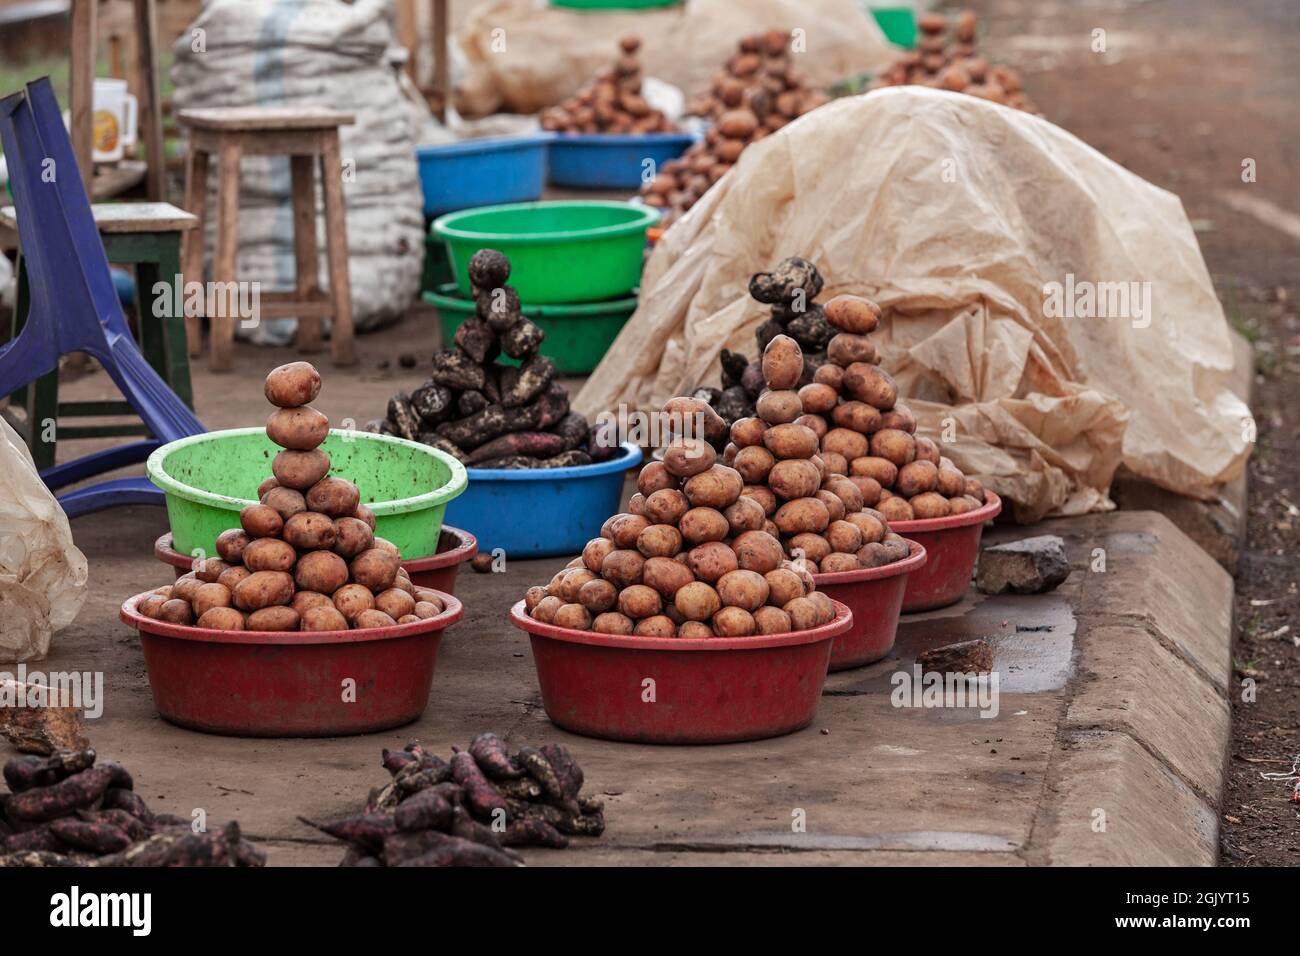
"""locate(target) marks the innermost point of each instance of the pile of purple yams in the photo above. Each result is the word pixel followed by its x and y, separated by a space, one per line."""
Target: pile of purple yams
pixel 305 557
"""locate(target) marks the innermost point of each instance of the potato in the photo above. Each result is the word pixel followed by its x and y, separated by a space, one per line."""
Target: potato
pixel 753 463
pixel 927 450
pixel 915 478
pixel 757 551
pixel 951 483
pixel 573 616
pixel 533 595
pixel 783 586
pixel 694 630
pixel 975 490
pixel 857 416
pixel 779 407
pixel 352 599
pixel 825 606
pixel 300 470
pixel 743 589
pixel 595 551
pixel 274 619
pixel 703 524
pixel 737 124
pixel 843 536
pixel 622 568
pixel 961 505
pixel 546 608
pixel 624 529
pixel 833 502
pixel 746 432
pixel 222 619
pixel 187 585
pixel 794 478
pixel 929 504
pixel 427 609
pixel 729 454
pixel 654 477
pixel 597 595
pixel 803 614
pixel 791 441
pixel 772 620
pixel 374 568
pixel 745 514
pixel 869 526
pixel 298 429
pixel 266 485
pixel 612 622
pixel 372 618
pixel 351 536
pixel 834 463
pixel 846 348
pixel 209 596
pixel 269 554
pixel 152 605
pixel 852 313
pixel 666 506
pixel 837 562
pixel 710 561
pixel 782 363
pixel 263 589
pixel 289 386
pixel 261 521
pixel 884 471
pixel 869 488
pixel 206 570
pixel 814 422
pixel 763 495
pixel 802 514
pixel 666 576
pixel 893 445
pixel 897 546
pixel 231 544
pixel 900 417
pixel 716 488
pixel 831 375
pixel 336 497
pixel 896 509
pixel 688 456
pixel 639 601
pixel 697 601
pixel 695 418
pixel 810 545
pixel 733 622
pixel 874 554
pixel 362 513
pixel 658 626
pixel 176 611
pixel 847 492
pixel 304 601
pixel 871 384
pixel 846 442
pixel 570 583
pixel 395 602
pixel 659 540
pixel 816 399
pixel 311 531
pixel 286 501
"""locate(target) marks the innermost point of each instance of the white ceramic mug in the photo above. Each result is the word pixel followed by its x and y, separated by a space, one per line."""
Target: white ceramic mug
pixel 114 122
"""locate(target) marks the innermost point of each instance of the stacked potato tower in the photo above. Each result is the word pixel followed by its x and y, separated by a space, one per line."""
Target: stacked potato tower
pixel 612 104
pixel 306 556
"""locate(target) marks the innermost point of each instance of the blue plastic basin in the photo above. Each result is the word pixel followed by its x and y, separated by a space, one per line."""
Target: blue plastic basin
pixel 611 160
pixel 482 172
pixel 543 512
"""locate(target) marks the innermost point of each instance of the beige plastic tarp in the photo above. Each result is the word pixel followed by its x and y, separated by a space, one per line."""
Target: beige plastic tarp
pixel 957 215
pixel 523 55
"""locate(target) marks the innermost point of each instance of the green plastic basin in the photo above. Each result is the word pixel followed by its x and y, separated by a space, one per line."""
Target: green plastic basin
pixel 208 479
pixel 560 252
pixel 577 336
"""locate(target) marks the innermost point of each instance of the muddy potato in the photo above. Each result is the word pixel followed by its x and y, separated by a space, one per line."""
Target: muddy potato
pixel 573 616
pixel 685 457
pixel 852 313
pixel 209 596
pixel 825 606
pixel 286 502
pixel 298 429
pixel 929 504
pixel 546 608
pixel 300 470
pixel 871 384
pixel 733 622
pixel 884 471
pixel 818 398
pixel 772 620
pixel 762 494
pixel 834 463
pixel 654 477
pixel 323 618
pixel 708 562
pixel 794 478
pixel 951 482
pixel 791 441
pixel 321 571
pixel 231 544
pixel 746 432
pixel 625 528
pixel 926 450
pixel 779 407
pixel 729 454
pixel 351 536
pixel 666 506
pixel 266 485
pixel 745 514
pixel 833 502
pixel 803 614
pixel 815 422
pixel 870 489
pixel 857 416
pixel 915 478
pixel 847 492
pixel 753 464
pixel 622 567
pixel 274 619
pixel 975 490
pixel 152 605
pixel 692 416
pixel 696 630
pixel 716 488
pixel 843 536
pixel 846 442
pixel 639 601
pixel 666 576
pixel 595 551
pixel 831 375
pixel 263 589
pixel 900 417
pixel 810 545
pixel 873 554
pixel 304 601
pixel 374 568
pixel 186 585
pixel 222 619
pixel 758 551
pixel 427 609
pixel 743 589
pixel 897 546
pixel 335 497
pixel 535 594
pixel 310 531
pixel 893 445
pixel 206 570
pixel 291 385
pixel 697 601
pixel 363 513
pixel 896 509
pixel 352 599
pixel 703 524
pixel 372 618
pixel 659 541
pixel 782 363
pixel 961 505
pixel 783 586
pixel 395 603
pixel 870 528
pixel 269 554
pixel 611 622
pixel 846 348
pixel 658 626
pixel 597 595
pixel 838 561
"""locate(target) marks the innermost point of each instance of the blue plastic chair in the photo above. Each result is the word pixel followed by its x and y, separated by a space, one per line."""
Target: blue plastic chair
pixel 74 306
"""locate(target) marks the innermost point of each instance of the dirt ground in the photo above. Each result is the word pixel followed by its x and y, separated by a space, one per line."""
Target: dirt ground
pixel 1186 93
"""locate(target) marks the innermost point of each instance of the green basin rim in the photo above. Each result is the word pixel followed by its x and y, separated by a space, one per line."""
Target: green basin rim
pixel 455 484
pixel 448 296
pixel 445 225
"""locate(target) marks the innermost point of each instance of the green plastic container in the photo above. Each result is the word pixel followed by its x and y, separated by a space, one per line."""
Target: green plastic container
pixel 208 479
pixel 560 252
pixel 437 268
pixel 577 336
pixel 898 24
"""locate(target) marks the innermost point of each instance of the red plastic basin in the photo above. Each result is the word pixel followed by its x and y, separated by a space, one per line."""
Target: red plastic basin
pixel 437 572
pixel 668 690
pixel 290 683
pixel 952 545
pixel 875 596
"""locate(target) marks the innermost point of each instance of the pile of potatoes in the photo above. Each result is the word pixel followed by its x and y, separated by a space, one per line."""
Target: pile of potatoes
pixel 694 556
pixel 306 556
pixel 949 61
pixel 486 413
pixel 612 104
pixel 756 93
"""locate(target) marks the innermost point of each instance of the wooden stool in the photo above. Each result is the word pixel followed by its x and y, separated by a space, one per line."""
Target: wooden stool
pixel 148 236
pixel 303 134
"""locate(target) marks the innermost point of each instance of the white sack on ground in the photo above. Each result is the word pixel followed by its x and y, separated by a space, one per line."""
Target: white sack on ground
pixel 42 574
pixel 955 214
pixel 523 55
pixel 316 53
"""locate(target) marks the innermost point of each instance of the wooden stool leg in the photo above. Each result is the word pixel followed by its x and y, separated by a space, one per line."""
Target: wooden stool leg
pixel 174 330
pixel 223 265
pixel 306 256
pixel 153 338
pixel 336 238
pixel 196 202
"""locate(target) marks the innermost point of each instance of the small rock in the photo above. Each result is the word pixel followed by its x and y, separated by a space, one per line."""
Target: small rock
pixel 481 562
pixel 1029 566
pixel 407 360
pixel 964 657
